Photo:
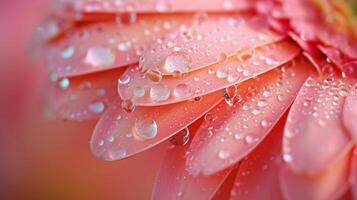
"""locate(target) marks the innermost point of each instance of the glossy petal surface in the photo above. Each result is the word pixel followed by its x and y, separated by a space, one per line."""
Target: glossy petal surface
pixel 350 113
pixel 258 174
pixel 106 45
pixel 120 134
pixel 236 130
pixel 207 80
pixel 209 39
pixel 174 182
pixel 314 133
pixel 85 97
pixel 330 183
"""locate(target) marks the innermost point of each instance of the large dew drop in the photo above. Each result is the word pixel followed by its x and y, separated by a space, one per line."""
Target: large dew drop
pixel 159 92
pixel 177 63
pixel 145 129
pixel 98 56
pixel 182 90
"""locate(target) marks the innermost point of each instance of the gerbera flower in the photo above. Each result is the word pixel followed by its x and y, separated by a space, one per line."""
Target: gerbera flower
pixel 257 99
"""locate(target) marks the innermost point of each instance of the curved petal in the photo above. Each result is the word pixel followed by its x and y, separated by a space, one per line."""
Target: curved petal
pixel 208 40
pixel 159 6
pixel 236 130
pixel 225 190
pixel 174 182
pixel 85 97
pixel 350 114
pixel 204 81
pixel 314 133
pixel 258 174
pixel 353 173
pixel 120 134
pixel 330 183
pixel 106 45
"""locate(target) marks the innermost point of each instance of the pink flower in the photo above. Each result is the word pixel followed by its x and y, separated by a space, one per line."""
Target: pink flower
pixel 256 98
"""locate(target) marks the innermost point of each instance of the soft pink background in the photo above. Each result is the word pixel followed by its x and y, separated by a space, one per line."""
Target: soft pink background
pixel 44 158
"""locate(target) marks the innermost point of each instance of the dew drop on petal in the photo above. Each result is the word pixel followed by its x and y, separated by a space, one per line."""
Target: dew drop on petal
pixel 124 79
pixel 68 52
pixel 97 107
pixel 64 83
pixel 154 75
pixel 182 90
pixel 145 128
pixel 98 56
pixel 128 106
pixel 223 154
pixel 159 92
pixel 177 62
pixel 181 138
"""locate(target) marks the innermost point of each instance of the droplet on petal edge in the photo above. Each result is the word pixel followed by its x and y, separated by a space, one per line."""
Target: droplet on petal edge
pixel 202 82
pixel 237 129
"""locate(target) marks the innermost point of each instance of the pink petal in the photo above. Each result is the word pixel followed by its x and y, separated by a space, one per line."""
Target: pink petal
pixel 174 182
pixel 209 39
pixel 204 81
pixel 224 191
pixel 350 114
pixel 119 134
pixel 330 183
pixel 353 173
pixel 258 174
pixel 102 46
pixel 314 133
pixel 85 97
pixel 161 6
pixel 236 130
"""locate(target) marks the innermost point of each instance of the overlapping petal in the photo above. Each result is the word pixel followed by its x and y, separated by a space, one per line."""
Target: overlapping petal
pixel 350 113
pixel 314 134
pixel 236 130
pixel 200 82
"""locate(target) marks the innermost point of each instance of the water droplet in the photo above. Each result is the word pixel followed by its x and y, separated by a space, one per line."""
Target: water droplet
pixel 271 61
pixel 262 103
pixel 128 106
pixel 159 92
pixel 245 55
pixel 343 93
pixel 177 62
pixel 98 56
pixel 97 107
pixel 182 90
pixel 68 52
pixel 221 73
pixel 124 46
pixel 267 94
pixel 181 138
pixel 64 83
pixel 250 139
pixel 287 157
pixel 124 79
pixel 264 123
pixel 145 128
pixel 222 154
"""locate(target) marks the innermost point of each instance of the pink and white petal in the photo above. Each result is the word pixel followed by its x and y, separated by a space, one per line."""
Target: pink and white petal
pixel 208 40
pixel 120 134
pixel 236 130
pixel 330 183
pixel 201 82
pixel 350 114
pixel 160 6
pixel 258 174
pixel 85 97
pixel 314 134
pixel 106 45
pixel 174 182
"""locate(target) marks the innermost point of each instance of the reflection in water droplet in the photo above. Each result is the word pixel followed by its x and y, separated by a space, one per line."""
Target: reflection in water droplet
pixel 97 107
pixel 181 138
pixel 221 73
pixel 98 56
pixel 182 90
pixel 159 92
pixel 154 75
pixel 124 79
pixel 177 62
pixel 128 106
pixel 64 83
pixel 145 128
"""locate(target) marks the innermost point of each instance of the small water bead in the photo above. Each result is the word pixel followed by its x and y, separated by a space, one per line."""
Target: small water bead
pixel 228 5
pixel 154 75
pixel 128 106
pixel 162 6
pixel 250 139
pixel 287 157
pixel 223 154
pixel 181 138
pixel 68 52
pixel 182 90
pixel 221 73
pixel 120 154
pixel 100 142
pixel 267 94
pixel 159 92
pixel 124 46
pixel 264 123
pixel 139 91
pixel 177 62
pixel 179 194
pixel 210 71
pixel 343 93
pixel 99 56
pixel 124 79
pixel 97 107
pixel 100 92
pixel 262 103
pixel 64 83
pixel 245 55
pixel 145 129
pixel 222 57
pixel 271 61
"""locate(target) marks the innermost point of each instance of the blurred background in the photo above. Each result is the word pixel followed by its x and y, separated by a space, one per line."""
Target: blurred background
pixel 46 158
